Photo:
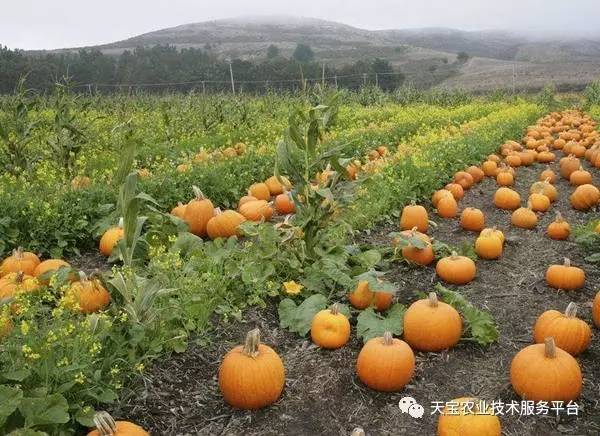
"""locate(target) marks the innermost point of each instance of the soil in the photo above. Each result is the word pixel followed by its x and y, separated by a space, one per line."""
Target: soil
pixel 180 395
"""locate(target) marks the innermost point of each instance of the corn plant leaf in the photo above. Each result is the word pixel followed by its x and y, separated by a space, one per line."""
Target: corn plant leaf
pixel 371 324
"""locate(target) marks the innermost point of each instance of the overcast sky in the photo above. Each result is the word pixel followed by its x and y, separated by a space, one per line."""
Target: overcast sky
pixel 36 24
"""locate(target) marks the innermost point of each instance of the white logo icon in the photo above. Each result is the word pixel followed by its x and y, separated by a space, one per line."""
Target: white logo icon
pixel 409 405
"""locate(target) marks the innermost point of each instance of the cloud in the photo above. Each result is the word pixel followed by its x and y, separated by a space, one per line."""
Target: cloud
pixel 31 24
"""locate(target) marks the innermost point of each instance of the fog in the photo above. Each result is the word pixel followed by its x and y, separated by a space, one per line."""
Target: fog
pixel 39 24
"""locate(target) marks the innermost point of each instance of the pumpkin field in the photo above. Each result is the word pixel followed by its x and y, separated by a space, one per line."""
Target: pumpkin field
pixel 291 264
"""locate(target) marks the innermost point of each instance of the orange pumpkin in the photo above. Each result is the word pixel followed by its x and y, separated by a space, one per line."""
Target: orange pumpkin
pixel 330 328
pixel 284 204
pixel 559 229
pixel 465 417
pixel 472 219
pixel 488 246
pixel 107 426
pixel 19 261
pixel 414 216
pixel 385 364
pixel 585 197
pixel 457 190
pixel 224 224
pixel 544 372
pixel 447 207
pixel 489 168
pixel 419 253
pixel 506 198
pixel 437 196
pixel 464 179
pixel 111 238
pixel 568 165
pixel 198 213
pixel 545 188
pixel 505 178
pixel 539 202
pixel 261 191
pixel 179 210
pixel 50 265
pixel 432 325
pixel 569 332
pixel 476 173
pixel 596 310
pixel 565 276
pixel 258 210
pixel 16 283
pixel 363 297
pixel 456 270
pixel 245 199
pixel 251 376
pixel 86 295
pixel 277 185
pixel 580 177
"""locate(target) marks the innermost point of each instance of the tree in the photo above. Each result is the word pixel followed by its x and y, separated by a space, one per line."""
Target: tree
pixel 272 51
pixel 303 53
pixel 462 57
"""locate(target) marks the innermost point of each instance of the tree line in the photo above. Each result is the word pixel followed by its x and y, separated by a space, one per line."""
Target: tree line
pixel 167 64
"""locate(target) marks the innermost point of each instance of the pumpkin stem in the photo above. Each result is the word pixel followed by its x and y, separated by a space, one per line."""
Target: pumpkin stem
pixel 82 276
pixel 105 424
pixel 334 309
pixel 217 211
pixel 388 338
pixel 433 299
pixel 18 253
pixel 550 348
pixel 529 205
pixel 559 217
pixel 252 342
pixel 567 262
pixel 121 223
pixel 571 310
pixel 358 431
pixel 453 255
pixel 20 277
pixel 198 193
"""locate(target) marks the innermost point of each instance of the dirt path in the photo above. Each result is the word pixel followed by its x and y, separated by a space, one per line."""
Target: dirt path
pixel 323 395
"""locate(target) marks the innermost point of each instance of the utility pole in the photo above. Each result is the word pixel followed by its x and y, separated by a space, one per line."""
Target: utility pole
pixel 323 77
pixel 231 75
pixel 364 79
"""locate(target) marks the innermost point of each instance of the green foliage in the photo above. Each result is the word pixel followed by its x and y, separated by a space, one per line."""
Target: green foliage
pixel 588 238
pixel 371 324
pixel 592 94
pixel 480 326
pixel 298 318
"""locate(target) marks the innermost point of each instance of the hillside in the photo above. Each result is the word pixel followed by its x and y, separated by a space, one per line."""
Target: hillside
pixel 427 56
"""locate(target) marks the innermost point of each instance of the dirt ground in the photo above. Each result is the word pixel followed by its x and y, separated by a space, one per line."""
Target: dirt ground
pixel 322 396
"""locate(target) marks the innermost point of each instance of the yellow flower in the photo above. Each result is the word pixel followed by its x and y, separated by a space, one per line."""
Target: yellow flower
pixel 292 288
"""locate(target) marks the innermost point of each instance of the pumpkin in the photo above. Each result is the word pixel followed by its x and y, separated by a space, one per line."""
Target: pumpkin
pixel 456 270
pixel 559 143
pixel 277 185
pixel 245 199
pixel 385 364
pixel 80 182
pixel 585 197
pixel 559 229
pixel 284 204
pixel 447 207
pixel 330 328
pixel 198 213
pixel 596 310
pixel 432 325
pixel 252 375
pixel 472 219
pixel 545 157
pixel 352 169
pixel 539 202
pixel 513 160
pixel 545 188
pixel 363 297
pixel 382 150
pixel 493 231
pixel 414 216
pixel 505 178
pixel 111 238
pixel 489 168
pixel 544 372
pixel 50 265
pixel 224 224
pixel 15 283
pixel 565 276
pixel 107 426
pixel 258 210
pixel 179 210
pixel 144 173
pixel 465 417
pixel 495 158
pixel 19 261
pixel 568 165
pixel 580 177
pixel 527 157
pixel 464 179
pixel 457 190
pixel 86 295
pixel 524 218
pixel 476 172
pixel 437 196
pixel 418 251
pixel 183 168
pixel 260 190
pixel 506 198
pixel 569 332
pixel 488 246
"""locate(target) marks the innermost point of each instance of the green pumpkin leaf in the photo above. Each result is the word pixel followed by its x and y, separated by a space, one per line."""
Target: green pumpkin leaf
pixel 10 399
pixel 49 410
pixel 298 318
pixel 371 324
